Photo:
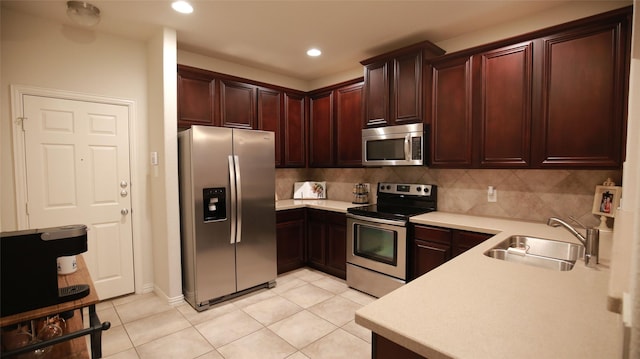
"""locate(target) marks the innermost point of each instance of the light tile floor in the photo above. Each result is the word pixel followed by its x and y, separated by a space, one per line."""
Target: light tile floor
pixel 308 314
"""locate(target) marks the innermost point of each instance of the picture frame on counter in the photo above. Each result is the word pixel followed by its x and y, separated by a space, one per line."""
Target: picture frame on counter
pixel 606 200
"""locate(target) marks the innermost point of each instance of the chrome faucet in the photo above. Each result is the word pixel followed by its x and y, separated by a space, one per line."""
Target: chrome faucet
pixel 591 243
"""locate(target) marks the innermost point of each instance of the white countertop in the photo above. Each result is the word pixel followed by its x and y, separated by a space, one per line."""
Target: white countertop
pixel 479 307
pixel 325 204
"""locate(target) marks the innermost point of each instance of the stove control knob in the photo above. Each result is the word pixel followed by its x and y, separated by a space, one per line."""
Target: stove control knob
pixel 419 189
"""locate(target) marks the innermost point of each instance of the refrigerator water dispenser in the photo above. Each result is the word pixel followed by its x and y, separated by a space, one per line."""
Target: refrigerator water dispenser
pixel 215 207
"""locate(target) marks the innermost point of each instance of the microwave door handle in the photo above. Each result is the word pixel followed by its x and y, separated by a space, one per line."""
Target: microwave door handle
pixel 407 148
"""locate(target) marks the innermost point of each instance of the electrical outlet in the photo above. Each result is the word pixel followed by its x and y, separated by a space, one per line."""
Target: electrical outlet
pixel 492 194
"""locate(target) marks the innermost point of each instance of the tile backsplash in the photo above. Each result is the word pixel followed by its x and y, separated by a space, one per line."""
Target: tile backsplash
pixel 522 194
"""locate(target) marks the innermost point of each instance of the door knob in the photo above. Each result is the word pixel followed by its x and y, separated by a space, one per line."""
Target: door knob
pixel 123 193
pixel 124 211
pixel 124 184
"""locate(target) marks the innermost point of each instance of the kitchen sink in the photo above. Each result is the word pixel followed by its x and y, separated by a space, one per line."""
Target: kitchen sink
pixel 538 252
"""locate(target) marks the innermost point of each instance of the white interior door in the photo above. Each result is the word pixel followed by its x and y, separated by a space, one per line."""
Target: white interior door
pixel 77 172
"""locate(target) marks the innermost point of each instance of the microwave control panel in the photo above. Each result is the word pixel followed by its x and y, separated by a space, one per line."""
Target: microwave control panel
pixel 416 148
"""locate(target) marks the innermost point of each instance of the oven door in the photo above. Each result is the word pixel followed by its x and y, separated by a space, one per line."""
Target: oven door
pixel 377 244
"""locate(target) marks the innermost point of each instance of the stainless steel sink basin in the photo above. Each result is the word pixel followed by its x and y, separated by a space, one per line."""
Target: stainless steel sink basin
pixel 538 252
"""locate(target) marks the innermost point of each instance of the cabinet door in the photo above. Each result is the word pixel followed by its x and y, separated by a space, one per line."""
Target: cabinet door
pixel 270 117
pixel 407 89
pixel 428 255
pixel 463 240
pixel 316 234
pixel 431 247
pixel 383 348
pixel 321 151
pixel 451 117
pixel 581 98
pixel 348 126
pixel 337 244
pixel 290 234
pixel 376 94
pixel 237 104
pixel 294 131
pixel 196 93
pixel 502 105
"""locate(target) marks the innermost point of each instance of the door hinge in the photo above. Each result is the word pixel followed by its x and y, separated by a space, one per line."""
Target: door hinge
pixel 20 122
pixel 26 208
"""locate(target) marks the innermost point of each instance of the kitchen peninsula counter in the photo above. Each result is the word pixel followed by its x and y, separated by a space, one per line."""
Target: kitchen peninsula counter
pixel 479 307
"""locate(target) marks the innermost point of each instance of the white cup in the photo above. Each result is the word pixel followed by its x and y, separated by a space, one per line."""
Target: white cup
pixel 67 265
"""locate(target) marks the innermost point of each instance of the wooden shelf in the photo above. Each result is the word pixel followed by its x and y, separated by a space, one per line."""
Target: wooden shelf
pixel 75 348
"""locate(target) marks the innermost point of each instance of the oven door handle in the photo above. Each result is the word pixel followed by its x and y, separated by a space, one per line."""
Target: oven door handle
pixel 377 220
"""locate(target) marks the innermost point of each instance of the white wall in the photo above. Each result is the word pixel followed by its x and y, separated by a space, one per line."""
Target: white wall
pixel 40 53
pixel 164 177
pixel 631 190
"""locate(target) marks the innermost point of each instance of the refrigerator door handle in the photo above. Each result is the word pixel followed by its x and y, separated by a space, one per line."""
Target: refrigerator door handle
pixel 236 161
pixel 234 198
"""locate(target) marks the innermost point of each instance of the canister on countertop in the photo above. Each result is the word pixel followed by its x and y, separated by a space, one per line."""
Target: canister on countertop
pixel 361 193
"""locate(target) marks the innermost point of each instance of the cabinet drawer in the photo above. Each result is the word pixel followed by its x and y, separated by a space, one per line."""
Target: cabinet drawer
pixel 289 215
pixel 433 234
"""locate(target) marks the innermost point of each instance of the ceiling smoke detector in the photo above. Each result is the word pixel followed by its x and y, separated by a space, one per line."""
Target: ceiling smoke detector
pixel 83 13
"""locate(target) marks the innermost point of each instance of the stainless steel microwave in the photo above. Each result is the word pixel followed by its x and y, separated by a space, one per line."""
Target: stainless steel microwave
pixel 401 145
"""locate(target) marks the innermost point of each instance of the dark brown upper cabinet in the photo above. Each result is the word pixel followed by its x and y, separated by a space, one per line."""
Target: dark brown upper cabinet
pixel 295 145
pixel 284 114
pixel 196 94
pixel 321 129
pixel 348 125
pixel 556 98
pixel 580 103
pixel 237 104
pixel 335 120
pixel 502 83
pixel 393 84
pixel 270 117
pixel 213 99
pixel 451 120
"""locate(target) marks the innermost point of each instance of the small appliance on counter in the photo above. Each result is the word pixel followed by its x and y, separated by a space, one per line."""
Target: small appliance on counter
pixel 29 274
pixel 360 193
pixel 310 190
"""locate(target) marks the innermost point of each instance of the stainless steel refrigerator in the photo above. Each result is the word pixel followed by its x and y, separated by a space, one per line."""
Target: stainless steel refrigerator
pixel 227 209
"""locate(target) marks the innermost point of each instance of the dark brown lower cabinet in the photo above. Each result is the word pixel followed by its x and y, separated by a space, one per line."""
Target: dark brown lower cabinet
pixel 327 242
pixel 433 246
pixel 312 237
pixel 383 348
pixel 465 240
pixel 290 234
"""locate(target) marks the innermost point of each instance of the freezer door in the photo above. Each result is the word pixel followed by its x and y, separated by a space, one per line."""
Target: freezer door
pixel 213 252
pixel 256 242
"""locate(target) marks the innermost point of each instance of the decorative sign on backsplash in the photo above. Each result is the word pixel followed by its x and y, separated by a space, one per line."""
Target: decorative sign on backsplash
pixel 310 190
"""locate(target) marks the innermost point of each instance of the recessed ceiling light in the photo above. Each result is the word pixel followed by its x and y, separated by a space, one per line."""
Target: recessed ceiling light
pixel 182 7
pixel 314 52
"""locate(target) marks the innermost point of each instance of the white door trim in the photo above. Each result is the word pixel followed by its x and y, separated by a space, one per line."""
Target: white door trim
pixel 20 176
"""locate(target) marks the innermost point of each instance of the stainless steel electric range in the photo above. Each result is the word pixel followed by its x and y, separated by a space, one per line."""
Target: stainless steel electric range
pixel 377 236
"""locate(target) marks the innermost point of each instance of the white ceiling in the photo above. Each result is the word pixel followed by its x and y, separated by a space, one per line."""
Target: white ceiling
pixel 274 35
